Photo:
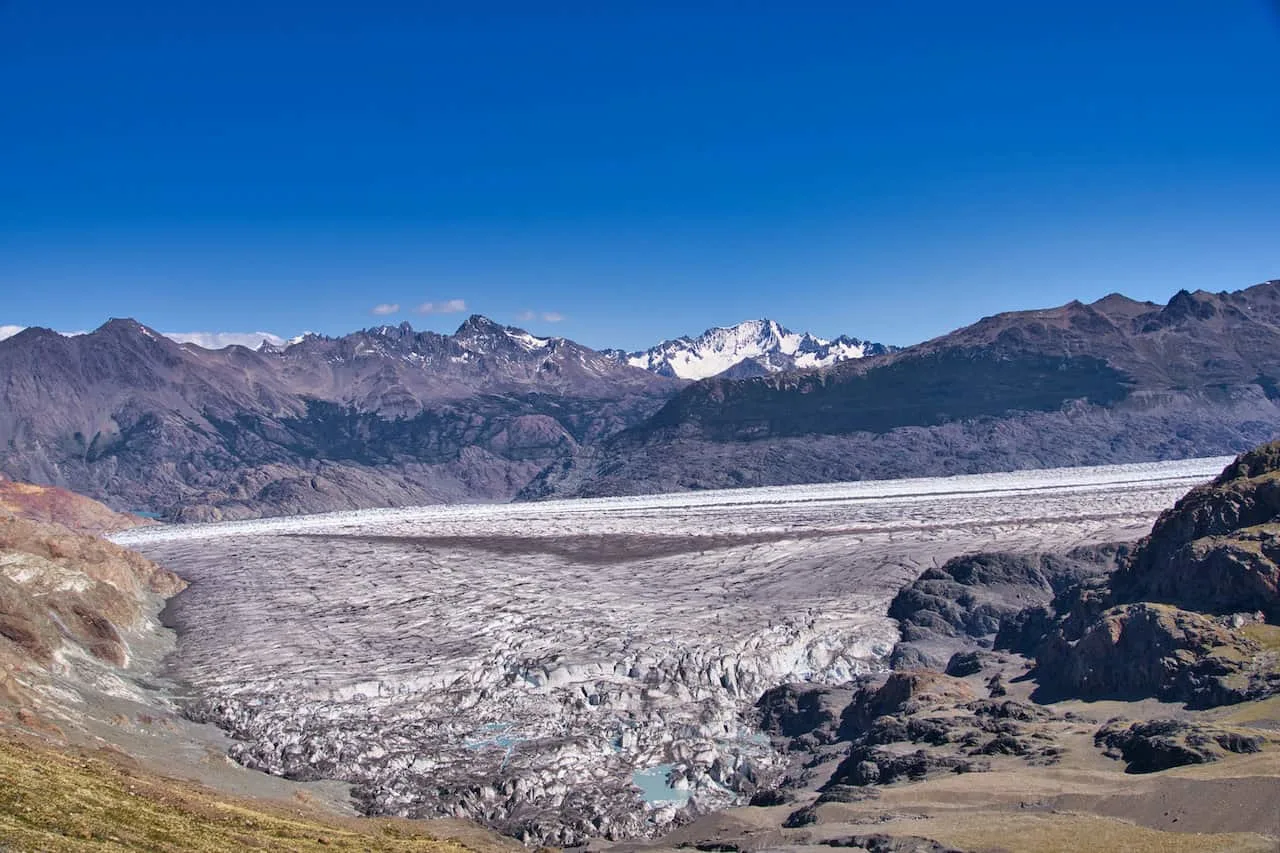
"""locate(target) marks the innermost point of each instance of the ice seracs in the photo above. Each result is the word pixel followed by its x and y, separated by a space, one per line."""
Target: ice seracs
pixel 753 348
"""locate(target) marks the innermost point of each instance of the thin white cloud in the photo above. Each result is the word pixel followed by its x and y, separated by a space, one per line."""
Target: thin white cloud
pixel 544 316
pixel 449 306
pixel 218 340
pixel 386 308
pixel 9 331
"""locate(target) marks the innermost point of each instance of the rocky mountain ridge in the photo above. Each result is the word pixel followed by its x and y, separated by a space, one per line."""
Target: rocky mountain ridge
pixel 1190 616
pixel 387 416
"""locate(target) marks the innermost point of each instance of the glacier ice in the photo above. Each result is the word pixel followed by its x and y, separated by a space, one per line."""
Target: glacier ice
pixel 526 665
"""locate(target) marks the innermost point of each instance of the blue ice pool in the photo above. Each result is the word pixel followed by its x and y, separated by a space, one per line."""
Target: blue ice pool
pixel 654 787
pixel 494 736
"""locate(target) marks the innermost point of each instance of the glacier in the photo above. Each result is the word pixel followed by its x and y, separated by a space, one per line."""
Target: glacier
pixel 577 669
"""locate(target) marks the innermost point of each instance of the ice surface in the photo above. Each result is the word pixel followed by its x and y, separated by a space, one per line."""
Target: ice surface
pixel 522 663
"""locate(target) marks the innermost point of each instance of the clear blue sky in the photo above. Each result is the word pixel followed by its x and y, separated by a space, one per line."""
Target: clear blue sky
pixel 885 169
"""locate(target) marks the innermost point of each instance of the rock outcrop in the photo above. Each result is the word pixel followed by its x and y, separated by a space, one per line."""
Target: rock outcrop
pixel 880 843
pixel 910 726
pixel 962 603
pixel 1184 618
pixel 809 714
pixel 68 599
pixel 1153 745
pixel 1135 651
pixel 1217 550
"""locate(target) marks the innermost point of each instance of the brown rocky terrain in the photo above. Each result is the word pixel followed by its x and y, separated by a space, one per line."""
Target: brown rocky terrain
pixel 52 505
pixel 65 594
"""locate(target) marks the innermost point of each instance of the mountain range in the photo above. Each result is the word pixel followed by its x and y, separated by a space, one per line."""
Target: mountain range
pixel 753 348
pixel 385 416
pixel 393 416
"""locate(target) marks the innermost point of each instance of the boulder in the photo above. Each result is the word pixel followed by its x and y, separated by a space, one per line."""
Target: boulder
pixel 963 664
pixel 1154 745
pixel 800 710
pixel 875 766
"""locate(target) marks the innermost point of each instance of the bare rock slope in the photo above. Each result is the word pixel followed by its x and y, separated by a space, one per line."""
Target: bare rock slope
pixel 1189 616
pixel 72 607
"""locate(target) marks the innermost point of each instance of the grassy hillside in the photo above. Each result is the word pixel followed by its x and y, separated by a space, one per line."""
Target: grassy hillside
pixel 69 800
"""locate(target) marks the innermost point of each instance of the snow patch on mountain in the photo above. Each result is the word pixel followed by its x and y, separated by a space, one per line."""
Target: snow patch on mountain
pixel 527 340
pixel 753 348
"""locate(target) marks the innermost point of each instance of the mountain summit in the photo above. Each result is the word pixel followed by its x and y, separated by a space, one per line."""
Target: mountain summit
pixel 753 348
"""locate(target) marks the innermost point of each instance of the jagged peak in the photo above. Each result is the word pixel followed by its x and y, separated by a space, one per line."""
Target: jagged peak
pixel 1115 299
pixel 127 326
pixel 400 330
pixel 120 324
pixel 479 324
pixel 30 333
pixel 761 345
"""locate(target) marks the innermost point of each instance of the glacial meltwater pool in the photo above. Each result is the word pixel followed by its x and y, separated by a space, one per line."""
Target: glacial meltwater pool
pixel 655 788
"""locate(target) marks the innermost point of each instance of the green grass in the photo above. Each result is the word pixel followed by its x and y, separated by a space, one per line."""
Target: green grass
pixel 1266 636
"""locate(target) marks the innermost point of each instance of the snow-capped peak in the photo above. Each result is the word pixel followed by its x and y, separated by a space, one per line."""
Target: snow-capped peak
pixel 752 348
pixel 480 334
pixel 526 340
